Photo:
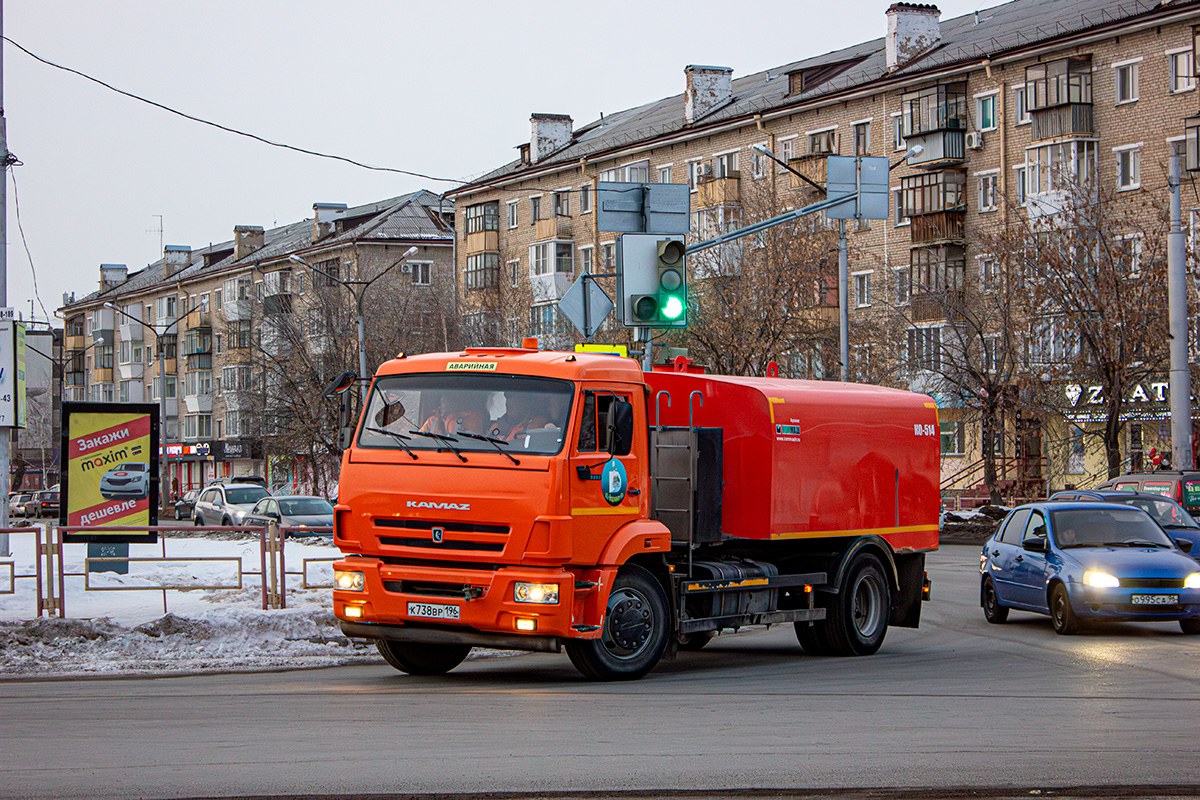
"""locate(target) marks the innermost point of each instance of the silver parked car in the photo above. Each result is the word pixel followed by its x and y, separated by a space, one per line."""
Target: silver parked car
pixel 226 504
pixel 297 511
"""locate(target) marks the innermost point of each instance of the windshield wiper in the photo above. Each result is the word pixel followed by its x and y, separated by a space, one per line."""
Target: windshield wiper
pixel 1134 543
pixel 495 443
pixel 400 440
pixel 444 439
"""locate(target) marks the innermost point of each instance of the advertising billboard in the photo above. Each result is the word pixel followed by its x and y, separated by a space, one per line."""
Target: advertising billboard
pixel 12 371
pixel 110 476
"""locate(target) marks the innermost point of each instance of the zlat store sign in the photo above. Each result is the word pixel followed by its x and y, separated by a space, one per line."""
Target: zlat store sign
pixel 111 477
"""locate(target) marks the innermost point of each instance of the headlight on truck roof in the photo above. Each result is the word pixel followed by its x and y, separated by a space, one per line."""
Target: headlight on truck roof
pixel 541 593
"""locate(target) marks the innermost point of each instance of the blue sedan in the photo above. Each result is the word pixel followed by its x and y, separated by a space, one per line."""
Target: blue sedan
pixel 1079 561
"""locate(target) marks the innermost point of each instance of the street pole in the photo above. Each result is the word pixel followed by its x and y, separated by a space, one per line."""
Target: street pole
pixel 843 303
pixel 1180 374
pixel 5 433
pixel 362 344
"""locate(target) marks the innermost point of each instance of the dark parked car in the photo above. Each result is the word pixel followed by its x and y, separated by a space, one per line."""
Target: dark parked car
pixel 43 504
pixel 1173 518
pixel 1085 560
pixel 186 504
pixel 297 511
pixel 1182 486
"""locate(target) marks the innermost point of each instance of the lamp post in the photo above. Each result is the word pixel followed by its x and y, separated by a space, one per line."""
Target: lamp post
pixel 164 485
pixel 357 289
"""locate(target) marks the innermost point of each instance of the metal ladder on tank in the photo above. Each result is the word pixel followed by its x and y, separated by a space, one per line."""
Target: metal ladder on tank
pixel 673 475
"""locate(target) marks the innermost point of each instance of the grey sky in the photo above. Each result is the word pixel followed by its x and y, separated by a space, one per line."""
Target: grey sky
pixel 444 89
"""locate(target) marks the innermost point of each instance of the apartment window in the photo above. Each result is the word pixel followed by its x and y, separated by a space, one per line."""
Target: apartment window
pixel 216 346
pixel 564 258
pixel 197 426
pixel 1060 166
pixel 541 319
pixel 862 289
pixel 898 208
pixel 562 203
pixel 787 151
pixel 535 209
pixel 514 271
pixel 693 174
pixel 664 174
pixel 862 138
pixel 483 271
pixel 258 290
pixel 104 357
pixel 421 272
pixel 1129 254
pixel 610 255
pixel 197 382
pixel 1129 167
pixel 993 354
pixel 898 132
pixel 1019 184
pixel 902 282
pixel 1021 107
pixel 237 424
pixel 726 165
pixel 1052 341
pixel 585 259
pixel 637 173
pixel 953 437
pixel 483 217
pixel 822 142
pixel 985 112
pixel 512 214
pixel 925 348
pixel 758 164
pixel 239 288
pixel 238 333
pixel 989 277
pixel 539 259
pixel 988 200
pixel 124 395
pixel 585 199
pixel 1126 82
pixel 1180 73
pixel 237 379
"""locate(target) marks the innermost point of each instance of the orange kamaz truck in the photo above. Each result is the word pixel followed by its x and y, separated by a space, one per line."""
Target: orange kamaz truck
pixel 531 500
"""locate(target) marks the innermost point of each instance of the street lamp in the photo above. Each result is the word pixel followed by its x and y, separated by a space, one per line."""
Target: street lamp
pixel 164 485
pixel 357 289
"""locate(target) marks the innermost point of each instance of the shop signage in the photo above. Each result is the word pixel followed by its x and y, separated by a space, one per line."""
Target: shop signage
pixel 1143 402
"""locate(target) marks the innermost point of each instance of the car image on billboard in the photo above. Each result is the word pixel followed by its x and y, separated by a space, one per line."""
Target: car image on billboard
pixel 126 480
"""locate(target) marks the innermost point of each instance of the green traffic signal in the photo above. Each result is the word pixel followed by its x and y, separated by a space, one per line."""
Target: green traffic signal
pixel 672 283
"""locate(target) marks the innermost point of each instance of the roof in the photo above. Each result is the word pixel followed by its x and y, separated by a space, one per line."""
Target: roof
pixel 409 217
pixel 970 38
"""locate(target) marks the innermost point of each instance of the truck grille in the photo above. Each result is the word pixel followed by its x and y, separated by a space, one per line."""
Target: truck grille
pixel 455 536
pixel 427 589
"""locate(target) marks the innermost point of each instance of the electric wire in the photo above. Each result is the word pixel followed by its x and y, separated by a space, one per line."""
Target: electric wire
pixel 24 243
pixel 226 128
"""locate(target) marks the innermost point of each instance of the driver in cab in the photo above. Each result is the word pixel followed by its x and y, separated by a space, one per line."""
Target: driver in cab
pixel 452 415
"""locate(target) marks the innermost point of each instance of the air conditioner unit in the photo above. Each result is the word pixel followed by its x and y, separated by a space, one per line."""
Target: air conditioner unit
pixel 974 140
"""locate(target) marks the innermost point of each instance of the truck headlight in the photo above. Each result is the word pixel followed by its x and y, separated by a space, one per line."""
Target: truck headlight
pixel 1100 580
pixel 1192 581
pixel 349 581
pixel 542 593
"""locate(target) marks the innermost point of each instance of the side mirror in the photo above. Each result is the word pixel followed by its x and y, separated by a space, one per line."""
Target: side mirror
pixel 1035 544
pixel 620 428
pixel 1184 544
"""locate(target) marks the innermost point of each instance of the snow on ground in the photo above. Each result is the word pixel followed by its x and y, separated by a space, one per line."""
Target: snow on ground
pixel 112 629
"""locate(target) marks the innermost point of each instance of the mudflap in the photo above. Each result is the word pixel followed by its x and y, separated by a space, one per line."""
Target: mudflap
pixel 906 602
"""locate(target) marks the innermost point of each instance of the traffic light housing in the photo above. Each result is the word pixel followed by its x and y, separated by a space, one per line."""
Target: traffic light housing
pixel 652 281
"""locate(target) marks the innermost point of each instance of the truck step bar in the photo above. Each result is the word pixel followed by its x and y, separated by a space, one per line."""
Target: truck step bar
pixel 742 620
pixel 430 635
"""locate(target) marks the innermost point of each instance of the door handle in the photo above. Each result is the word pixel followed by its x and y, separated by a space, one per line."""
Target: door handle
pixel 995 552
pixel 1019 559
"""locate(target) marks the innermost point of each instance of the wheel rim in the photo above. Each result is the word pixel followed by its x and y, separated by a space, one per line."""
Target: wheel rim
pixel 629 623
pixel 1060 609
pixel 868 606
pixel 989 598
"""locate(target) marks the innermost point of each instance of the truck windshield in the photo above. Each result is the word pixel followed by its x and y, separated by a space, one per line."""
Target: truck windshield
pixel 515 414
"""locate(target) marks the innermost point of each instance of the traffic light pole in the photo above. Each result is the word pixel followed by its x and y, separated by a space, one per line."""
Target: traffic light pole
pixel 725 238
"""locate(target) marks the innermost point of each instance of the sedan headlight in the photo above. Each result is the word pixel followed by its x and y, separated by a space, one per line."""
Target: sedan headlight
pixel 542 593
pixel 1192 581
pixel 349 581
pixel 1100 580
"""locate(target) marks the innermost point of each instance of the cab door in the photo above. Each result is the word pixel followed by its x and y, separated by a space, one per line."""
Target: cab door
pixel 606 491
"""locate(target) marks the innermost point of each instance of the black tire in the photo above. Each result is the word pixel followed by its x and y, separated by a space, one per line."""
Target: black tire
pixel 635 634
pixel 993 612
pixel 1061 613
pixel 856 619
pixel 696 641
pixel 227 522
pixel 178 515
pixel 812 637
pixel 416 658
pixel 1190 626
pixel 199 521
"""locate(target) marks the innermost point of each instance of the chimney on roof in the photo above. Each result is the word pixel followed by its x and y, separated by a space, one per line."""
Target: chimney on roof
pixel 912 29
pixel 548 133
pixel 325 217
pixel 176 257
pixel 112 275
pixel 246 239
pixel 708 88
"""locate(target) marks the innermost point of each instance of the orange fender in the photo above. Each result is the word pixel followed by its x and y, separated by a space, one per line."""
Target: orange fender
pixel 641 536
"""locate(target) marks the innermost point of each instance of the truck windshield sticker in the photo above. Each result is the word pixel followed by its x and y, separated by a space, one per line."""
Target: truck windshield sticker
pixel 614 482
pixel 486 366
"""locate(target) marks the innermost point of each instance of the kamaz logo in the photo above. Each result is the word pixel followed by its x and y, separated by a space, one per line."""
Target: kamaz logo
pixel 451 506
pixel 438 535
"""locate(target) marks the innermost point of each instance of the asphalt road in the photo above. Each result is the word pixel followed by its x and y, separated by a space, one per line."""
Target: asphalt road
pixel 958 703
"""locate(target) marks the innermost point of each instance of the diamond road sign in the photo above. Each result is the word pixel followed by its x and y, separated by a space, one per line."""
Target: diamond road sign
pixel 586 305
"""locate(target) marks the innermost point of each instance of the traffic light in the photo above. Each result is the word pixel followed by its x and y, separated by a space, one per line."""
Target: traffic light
pixel 652 281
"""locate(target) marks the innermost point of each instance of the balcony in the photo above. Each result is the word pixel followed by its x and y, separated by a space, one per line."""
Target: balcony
pixel 78 378
pixel 813 167
pixel 237 310
pixel 936 118
pixel 557 227
pixel 76 342
pixel 483 242
pixel 721 191
pixel 280 303
pixel 1068 120
pixel 200 319
pixel 941 149
pixel 935 306
pixel 941 226
pixel 936 203
pixel 198 403
pixel 102 375
pixel 129 371
pixel 199 361
pixel 549 287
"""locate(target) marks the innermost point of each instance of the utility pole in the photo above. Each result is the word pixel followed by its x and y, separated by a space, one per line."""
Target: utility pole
pixel 1180 375
pixel 5 433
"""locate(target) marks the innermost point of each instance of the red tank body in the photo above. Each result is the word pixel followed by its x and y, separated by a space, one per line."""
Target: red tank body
pixel 814 459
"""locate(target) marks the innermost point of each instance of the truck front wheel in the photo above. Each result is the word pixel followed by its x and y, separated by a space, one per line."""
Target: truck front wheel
pixel 416 658
pixel 856 619
pixel 635 630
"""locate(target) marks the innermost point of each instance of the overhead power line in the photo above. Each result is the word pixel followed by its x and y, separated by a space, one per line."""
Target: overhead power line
pixel 225 128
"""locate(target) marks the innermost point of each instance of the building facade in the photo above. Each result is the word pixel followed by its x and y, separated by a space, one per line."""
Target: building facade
pixel 1024 114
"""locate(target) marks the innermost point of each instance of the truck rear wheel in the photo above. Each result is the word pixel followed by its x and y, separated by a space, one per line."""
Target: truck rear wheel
pixel 635 630
pixel 416 658
pixel 856 619
pixel 812 638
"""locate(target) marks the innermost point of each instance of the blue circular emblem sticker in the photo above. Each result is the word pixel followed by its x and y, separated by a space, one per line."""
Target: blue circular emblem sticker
pixel 613 482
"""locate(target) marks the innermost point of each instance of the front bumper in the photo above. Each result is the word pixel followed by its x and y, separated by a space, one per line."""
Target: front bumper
pixel 1090 602
pixel 487 611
